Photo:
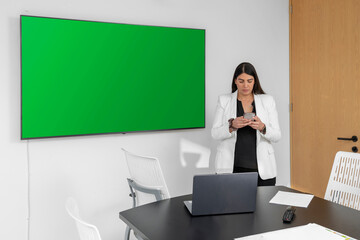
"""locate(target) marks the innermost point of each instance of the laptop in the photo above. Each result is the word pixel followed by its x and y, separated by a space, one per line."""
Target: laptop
pixel 223 194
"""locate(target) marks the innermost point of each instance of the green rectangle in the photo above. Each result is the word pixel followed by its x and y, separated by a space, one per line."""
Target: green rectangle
pixel 83 77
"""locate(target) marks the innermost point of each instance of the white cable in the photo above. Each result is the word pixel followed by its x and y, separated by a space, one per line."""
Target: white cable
pixel 28 189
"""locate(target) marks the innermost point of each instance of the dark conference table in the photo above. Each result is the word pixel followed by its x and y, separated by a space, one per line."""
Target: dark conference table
pixel 169 219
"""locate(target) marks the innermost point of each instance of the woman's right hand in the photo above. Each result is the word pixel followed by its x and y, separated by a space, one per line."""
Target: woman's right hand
pixel 240 122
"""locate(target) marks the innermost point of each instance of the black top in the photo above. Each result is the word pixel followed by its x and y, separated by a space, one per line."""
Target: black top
pixel 245 148
pixel 169 219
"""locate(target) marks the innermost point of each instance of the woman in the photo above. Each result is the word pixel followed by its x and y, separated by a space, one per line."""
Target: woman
pixel 246 141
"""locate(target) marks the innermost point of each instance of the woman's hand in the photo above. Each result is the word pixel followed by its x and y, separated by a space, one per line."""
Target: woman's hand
pixel 257 124
pixel 240 122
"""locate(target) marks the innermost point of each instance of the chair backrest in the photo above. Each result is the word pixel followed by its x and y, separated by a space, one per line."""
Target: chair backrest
pixel 344 182
pixel 146 171
pixel 86 230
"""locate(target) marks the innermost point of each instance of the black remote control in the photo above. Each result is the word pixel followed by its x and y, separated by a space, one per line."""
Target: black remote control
pixel 289 214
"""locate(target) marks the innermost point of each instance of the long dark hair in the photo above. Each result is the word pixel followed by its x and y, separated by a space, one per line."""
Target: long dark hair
pixel 249 69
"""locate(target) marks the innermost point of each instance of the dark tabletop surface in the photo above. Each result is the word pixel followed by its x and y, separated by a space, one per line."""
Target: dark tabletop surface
pixel 169 219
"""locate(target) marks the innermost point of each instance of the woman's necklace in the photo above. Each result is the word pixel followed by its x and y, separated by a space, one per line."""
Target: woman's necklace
pixel 247 103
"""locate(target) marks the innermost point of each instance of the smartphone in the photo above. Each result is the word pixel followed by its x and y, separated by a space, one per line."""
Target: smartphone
pixel 249 115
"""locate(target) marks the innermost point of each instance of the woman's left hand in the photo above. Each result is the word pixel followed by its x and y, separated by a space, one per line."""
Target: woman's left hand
pixel 257 123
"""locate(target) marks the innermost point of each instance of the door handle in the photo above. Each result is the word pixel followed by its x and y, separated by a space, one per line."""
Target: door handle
pixel 353 138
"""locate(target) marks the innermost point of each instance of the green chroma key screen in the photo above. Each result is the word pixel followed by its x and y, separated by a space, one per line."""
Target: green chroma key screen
pixel 84 77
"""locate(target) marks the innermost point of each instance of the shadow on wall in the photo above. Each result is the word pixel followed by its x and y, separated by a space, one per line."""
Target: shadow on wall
pixel 193 155
pixel 193 159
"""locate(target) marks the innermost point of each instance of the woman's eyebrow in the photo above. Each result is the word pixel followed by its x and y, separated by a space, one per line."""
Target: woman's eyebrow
pixel 247 79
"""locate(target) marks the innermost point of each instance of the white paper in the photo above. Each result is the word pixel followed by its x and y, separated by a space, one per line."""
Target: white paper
pixel 292 199
pixel 306 232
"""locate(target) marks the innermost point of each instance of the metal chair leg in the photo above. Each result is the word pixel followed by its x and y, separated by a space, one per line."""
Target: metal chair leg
pixel 127 233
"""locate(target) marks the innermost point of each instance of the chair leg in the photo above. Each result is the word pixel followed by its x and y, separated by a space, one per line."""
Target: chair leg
pixel 127 233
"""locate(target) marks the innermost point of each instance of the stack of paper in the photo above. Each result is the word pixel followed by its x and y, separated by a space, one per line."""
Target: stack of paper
pixel 306 232
pixel 292 199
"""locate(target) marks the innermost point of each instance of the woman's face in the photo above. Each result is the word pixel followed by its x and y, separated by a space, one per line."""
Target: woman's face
pixel 245 84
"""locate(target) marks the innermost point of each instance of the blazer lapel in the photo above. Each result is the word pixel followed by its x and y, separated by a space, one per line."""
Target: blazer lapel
pixel 260 112
pixel 233 106
pixel 259 106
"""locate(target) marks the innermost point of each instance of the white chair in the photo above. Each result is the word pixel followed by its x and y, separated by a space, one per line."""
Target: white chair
pixel 344 182
pixel 147 183
pixel 86 230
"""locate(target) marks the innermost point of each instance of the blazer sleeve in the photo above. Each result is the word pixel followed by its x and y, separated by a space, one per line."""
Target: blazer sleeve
pixel 273 133
pixel 220 128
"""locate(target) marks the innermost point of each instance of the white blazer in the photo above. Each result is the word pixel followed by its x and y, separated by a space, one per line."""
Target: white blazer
pixel 266 111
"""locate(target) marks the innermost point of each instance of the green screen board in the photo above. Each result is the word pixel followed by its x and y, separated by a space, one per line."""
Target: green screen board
pixel 84 77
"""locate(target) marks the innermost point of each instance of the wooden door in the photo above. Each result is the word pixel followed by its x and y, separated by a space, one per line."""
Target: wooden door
pixel 325 87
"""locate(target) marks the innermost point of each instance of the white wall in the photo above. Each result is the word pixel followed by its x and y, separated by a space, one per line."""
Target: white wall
pixel 92 169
